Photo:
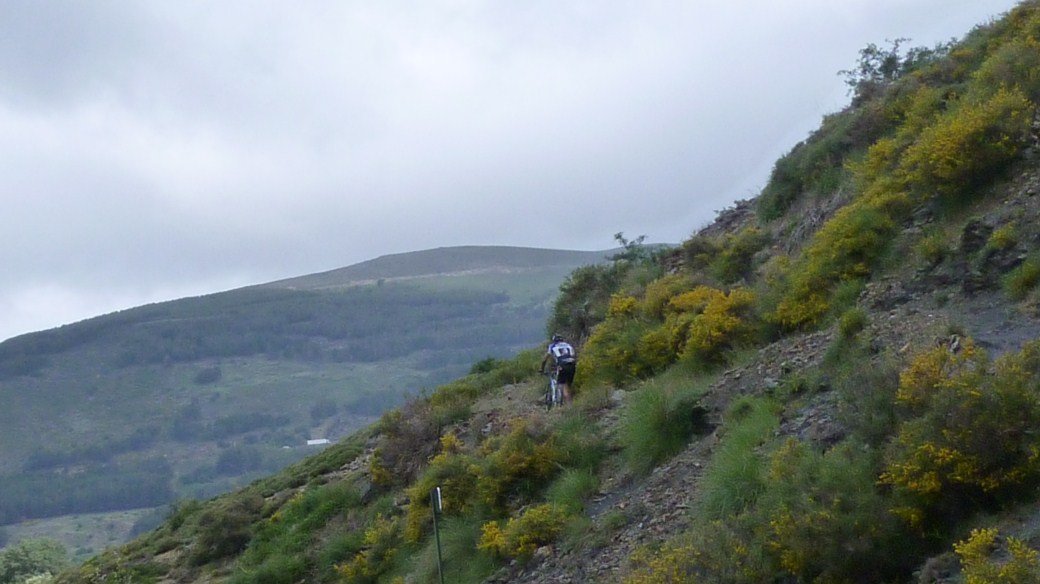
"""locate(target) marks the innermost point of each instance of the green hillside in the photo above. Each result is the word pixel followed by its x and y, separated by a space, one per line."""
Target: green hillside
pixel 192 397
pixel 837 382
pixel 445 260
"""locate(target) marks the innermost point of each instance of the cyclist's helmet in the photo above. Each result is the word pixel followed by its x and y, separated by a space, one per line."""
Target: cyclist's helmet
pixel 556 338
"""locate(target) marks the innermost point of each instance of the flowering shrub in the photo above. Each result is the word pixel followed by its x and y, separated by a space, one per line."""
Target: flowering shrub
pixel 455 472
pixel 823 518
pixel 522 535
pixel 980 567
pixel 1015 64
pixel 723 323
pixel 970 433
pixel 699 324
pixel 718 552
pixel 516 465
pixel 660 292
pixel 507 470
pixel 969 143
pixel 381 540
pixel 1003 237
pixel 936 153
pixel 844 249
pixel 614 352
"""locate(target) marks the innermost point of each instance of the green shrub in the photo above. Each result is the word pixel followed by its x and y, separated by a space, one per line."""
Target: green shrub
pixel 181 512
pixel 583 300
pixel 337 547
pixel 579 442
pixel 485 365
pixel 31 557
pixel 697 252
pixel 1015 64
pixel 867 387
pixel 715 551
pixel 277 569
pixel 288 531
pixel 733 261
pixel 1003 237
pixel 226 527
pixel 845 296
pixel 814 165
pixel 409 439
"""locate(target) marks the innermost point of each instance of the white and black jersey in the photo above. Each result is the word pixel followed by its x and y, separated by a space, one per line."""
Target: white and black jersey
pixel 562 352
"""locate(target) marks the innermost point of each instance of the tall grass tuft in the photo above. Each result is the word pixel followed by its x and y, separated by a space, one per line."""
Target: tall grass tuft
pixel 659 420
pixel 571 488
pixel 462 562
pixel 579 442
pixel 735 476
pixel 1022 280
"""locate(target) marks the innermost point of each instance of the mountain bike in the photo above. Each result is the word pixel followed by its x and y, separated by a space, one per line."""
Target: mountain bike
pixel 553 395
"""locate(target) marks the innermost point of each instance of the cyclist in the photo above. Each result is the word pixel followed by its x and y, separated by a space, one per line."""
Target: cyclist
pixel 565 359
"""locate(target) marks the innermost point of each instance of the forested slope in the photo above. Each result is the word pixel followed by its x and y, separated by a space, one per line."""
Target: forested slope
pixel 192 397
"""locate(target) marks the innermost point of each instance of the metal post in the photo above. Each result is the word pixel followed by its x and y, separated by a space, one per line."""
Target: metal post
pixel 435 504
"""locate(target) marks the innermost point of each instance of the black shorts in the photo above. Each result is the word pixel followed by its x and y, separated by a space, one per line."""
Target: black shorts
pixel 566 375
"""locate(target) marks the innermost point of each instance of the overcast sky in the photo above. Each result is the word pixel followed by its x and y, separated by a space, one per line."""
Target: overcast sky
pixel 155 150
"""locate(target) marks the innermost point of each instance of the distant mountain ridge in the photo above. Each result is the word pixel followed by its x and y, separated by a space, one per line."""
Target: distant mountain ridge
pixel 442 261
pixel 191 397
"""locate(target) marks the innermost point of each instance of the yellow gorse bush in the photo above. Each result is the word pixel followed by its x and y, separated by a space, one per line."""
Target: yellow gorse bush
pixel 492 478
pixel 941 369
pixel 527 456
pixel 979 566
pixel 456 473
pixel 522 535
pixel 380 543
pixel 968 143
pixel 723 323
pixel 641 337
pixel 970 434
pixel 845 248
pixel 937 152
pixel 660 293
pixel 714 554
